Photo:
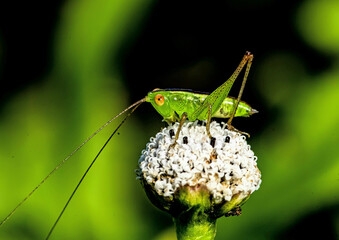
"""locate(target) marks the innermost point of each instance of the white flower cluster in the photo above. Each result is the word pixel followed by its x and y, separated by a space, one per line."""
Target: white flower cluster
pixel 226 169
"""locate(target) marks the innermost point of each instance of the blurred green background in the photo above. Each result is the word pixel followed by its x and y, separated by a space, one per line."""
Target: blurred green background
pixel 67 67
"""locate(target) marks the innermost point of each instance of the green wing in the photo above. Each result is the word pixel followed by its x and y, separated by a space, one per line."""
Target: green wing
pixel 215 99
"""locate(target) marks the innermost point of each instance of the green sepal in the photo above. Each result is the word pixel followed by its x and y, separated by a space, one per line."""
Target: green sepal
pixel 193 210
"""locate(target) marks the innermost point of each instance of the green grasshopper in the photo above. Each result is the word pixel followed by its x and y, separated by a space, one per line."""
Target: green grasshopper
pixel 175 105
pixel 178 105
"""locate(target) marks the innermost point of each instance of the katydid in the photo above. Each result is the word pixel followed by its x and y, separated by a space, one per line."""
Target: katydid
pixel 174 105
pixel 179 105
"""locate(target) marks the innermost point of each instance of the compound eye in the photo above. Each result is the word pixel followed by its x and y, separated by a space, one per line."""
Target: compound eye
pixel 159 99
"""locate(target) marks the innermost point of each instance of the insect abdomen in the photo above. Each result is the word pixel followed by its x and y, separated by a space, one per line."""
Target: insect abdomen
pixel 227 107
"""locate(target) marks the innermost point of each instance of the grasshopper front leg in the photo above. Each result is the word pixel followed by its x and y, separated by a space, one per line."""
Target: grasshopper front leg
pixel 182 120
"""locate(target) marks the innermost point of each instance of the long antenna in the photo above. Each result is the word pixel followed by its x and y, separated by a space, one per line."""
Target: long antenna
pixel 137 104
pixel 70 155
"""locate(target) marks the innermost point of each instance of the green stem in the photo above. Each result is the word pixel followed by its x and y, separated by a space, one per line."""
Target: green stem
pixel 195 224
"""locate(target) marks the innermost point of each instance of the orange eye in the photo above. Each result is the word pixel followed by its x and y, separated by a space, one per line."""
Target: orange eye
pixel 159 99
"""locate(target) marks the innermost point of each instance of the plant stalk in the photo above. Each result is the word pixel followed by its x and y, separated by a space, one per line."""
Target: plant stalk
pixel 195 224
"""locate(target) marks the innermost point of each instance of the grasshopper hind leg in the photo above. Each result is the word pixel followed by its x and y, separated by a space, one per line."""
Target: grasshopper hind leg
pixel 231 128
pixel 248 58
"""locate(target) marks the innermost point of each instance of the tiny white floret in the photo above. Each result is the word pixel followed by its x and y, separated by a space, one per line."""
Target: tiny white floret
pixel 227 169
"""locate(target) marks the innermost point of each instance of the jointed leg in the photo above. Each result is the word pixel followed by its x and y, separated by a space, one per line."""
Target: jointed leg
pixel 249 63
pixel 182 120
pixel 209 116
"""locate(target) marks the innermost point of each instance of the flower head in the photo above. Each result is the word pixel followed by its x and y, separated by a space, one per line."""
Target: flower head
pixel 220 177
